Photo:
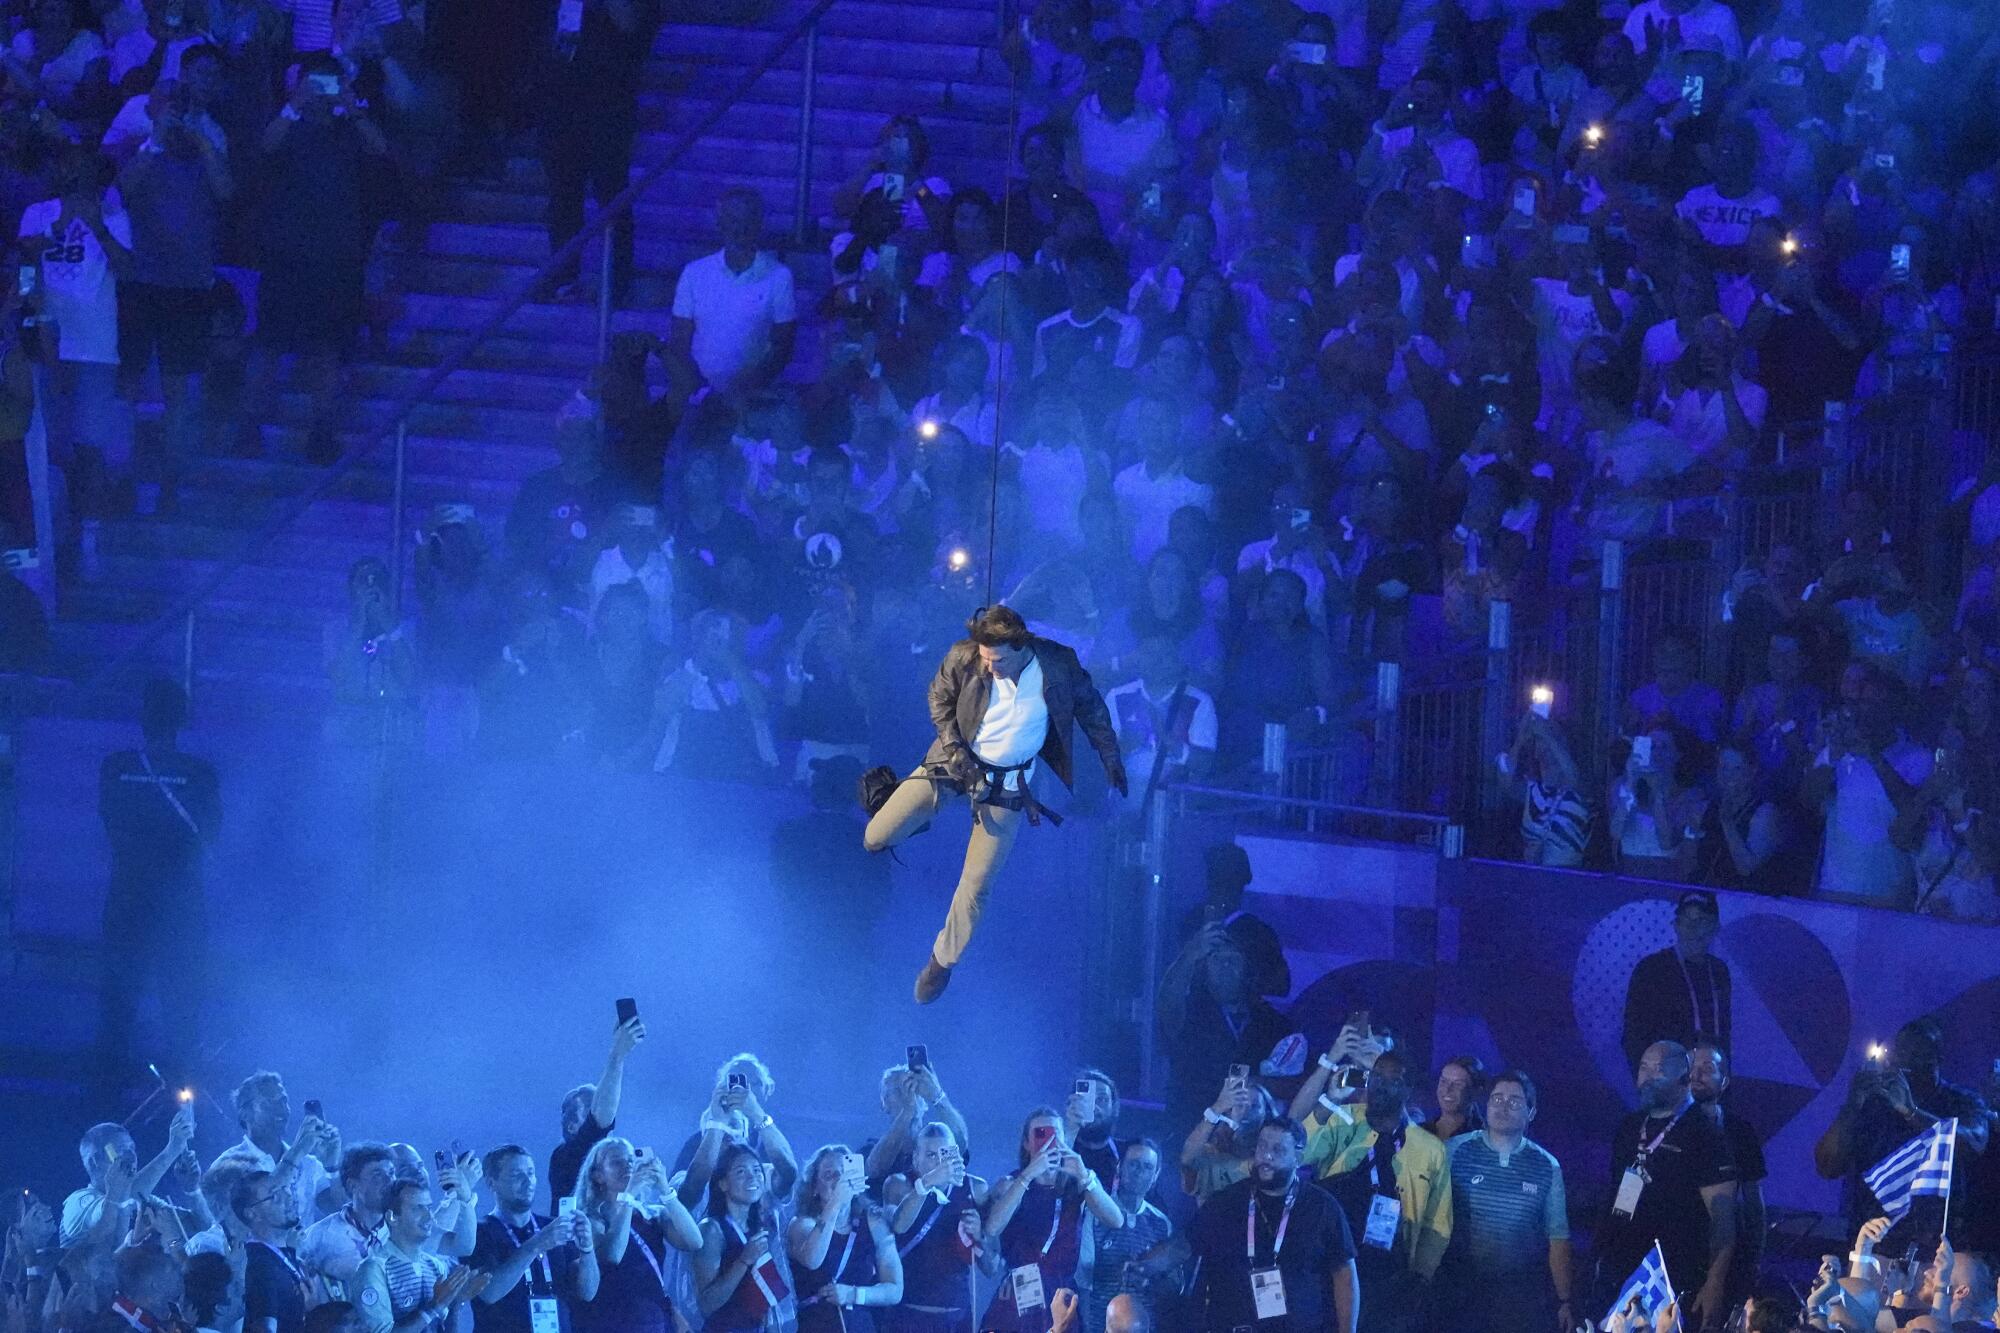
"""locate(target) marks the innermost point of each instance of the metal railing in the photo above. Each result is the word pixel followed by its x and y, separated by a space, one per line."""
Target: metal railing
pixel 181 615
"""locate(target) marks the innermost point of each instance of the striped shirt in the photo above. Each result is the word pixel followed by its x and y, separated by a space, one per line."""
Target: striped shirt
pixel 389 1278
pixel 1507 1209
pixel 1144 1228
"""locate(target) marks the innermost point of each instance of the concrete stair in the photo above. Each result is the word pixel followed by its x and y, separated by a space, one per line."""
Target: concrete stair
pixel 257 640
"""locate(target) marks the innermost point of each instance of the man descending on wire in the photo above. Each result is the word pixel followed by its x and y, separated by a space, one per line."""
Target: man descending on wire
pixel 1002 700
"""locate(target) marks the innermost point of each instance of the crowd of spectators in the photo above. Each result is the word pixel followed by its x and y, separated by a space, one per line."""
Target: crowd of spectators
pixel 1376 1206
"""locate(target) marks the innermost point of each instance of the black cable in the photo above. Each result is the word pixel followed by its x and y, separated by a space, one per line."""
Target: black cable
pixel 1004 369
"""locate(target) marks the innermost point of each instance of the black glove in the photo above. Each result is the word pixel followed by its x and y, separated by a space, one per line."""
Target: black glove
pixel 963 768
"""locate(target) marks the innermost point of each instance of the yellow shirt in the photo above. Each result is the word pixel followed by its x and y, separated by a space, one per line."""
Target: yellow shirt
pixel 1340 1143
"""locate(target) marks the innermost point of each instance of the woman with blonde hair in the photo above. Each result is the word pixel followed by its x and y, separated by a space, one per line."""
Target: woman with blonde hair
pixel 635 1216
pixel 842 1253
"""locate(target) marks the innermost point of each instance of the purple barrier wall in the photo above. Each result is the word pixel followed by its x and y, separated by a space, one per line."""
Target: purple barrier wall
pixel 1528 966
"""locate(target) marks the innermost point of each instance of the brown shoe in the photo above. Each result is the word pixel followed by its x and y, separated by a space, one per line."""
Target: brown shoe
pixel 932 980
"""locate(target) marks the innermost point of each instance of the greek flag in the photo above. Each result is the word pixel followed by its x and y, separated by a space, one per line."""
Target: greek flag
pixel 1646 1292
pixel 1921 1166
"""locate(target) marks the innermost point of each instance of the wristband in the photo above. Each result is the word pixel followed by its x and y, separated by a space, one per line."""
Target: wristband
pixel 34 1272
pixel 1857 1257
pixel 1328 1103
pixel 1215 1117
pixel 767 1123
pixel 1326 1063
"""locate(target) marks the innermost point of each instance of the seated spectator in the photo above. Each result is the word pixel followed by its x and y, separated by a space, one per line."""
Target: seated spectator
pixel 1676 696
pixel 619 679
pixel 1556 815
pixel 1123 148
pixel 1414 146
pixel 828 684
pixel 1691 25
pixel 1713 410
pixel 638 552
pixel 711 718
pixel 557 522
pixel 1167 603
pixel 1776 720
pixel 1951 840
pixel 961 399
pixel 1749 842
pixel 1151 489
pixel 959 272
pixel 1158 293
pixel 1885 626
pixel 1059 463
pixel 734 321
pixel 1865 774
pixel 1545 89
pixel 57 60
pixel 1656 812
pixel 1091 338
pixel 1166 727
pixel 194 92
pixel 1280 670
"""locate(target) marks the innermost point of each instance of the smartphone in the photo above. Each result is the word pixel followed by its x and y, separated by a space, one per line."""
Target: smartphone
pixel 442 1159
pixel 628 1009
pixel 1154 200
pixel 1524 200
pixel 327 85
pixel 1475 251
pixel 738 1081
pixel 854 1166
pixel 1642 750
pixel 1899 262
pixel 1692 88
pixel 565 1205
pixel 1240 1075
pixel 314 1111
pixel 1883 161
pixel 892 185
pixel 1040 1137
pixel 1307 53
pixel 1083 1087
pixel 1541 701
pixel 1362 1022
pixel 919 1057
pixel 885 256
pixel 30 275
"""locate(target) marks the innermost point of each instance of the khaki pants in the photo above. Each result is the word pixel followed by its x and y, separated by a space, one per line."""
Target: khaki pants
pixel 915 803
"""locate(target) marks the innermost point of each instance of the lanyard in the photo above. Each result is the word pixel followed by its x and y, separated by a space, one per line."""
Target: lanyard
pixel 905 1250
pixel 1055 1225
pixel 840 1269
pixel 646 1253
pixel 1646 1150
pixel 146 762
pixel 1284 1221
pixel 298 1274
pixel 1694 1005
pixel 534 1229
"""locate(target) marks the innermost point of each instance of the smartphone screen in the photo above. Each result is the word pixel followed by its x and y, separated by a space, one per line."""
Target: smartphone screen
pixel 1040 1137
pixel 1239 1074
pixel 738 1082
pixel 1899 261
pixel 314 1110
pixel 919 1057
pixel 628 1009
pixel 328 84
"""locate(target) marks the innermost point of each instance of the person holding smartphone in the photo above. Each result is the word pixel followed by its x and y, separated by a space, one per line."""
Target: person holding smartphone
pixel 936 1213
pixel 1038 1212
pixel 535 1265
pixel 635 1217
pixel 843 1255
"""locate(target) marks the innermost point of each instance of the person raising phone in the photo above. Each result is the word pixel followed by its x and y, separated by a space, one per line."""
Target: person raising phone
pixel 842 1253
pixel 1037 1212
pixel 936 1214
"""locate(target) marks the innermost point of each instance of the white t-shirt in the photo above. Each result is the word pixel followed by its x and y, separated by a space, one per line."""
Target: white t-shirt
pixel 1709 26
pixel 334 1247
pixel 83 1209
pixel 733 313
pixel 1053 483
pixel 1563 322
pixel 1458 157
pixel 1016 721
pixel 1662 345
pixel 655 577
pixel 1146 503
pixel 1701 420
pixel 79 288
pixel 1116 157
pixel 1726 221
pixel 1132 706
pixel 1860 862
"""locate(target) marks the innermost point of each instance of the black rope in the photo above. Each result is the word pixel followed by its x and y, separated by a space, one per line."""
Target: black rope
pixel 1002 371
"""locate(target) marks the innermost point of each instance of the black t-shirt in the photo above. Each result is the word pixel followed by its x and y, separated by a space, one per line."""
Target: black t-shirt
pixel 1199 1055
pixel 1746 1146
pixel 158 809
pixel 1317 1241
pixel 602 67
pixel 566 1162
pixel 1101 1156
pixel 274 1287
pixel 554 1274
pixel 1693 1155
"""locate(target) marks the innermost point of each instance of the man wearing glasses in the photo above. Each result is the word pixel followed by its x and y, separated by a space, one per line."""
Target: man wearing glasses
pixel 1510 1265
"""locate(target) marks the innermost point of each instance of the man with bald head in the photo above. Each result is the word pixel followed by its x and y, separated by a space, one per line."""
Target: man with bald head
pixel 1674 1181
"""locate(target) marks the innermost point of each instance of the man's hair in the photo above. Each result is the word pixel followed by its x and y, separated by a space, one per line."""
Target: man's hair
pixel 1551 23
pixel 1100 1076
pixel 328 1317
pixel 1671 1051
pixel 938 1129
pixel 400 1191
pixel 206 1286
pixel 358 1157
pixel 1132 1145
pixel 1519 1078
pixel 1398 1066
pixel 247 1090
pixel 218 1183
pixel 1713 1043
pixel 200 51
pixel 247 1192
pixel 998 627
pixel 581 1090
pixel 95 1139
pixel 496 1158
pixel 1293 1129
pixel 739 194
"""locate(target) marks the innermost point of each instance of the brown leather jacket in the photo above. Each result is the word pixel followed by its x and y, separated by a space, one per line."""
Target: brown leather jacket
pixel 958 697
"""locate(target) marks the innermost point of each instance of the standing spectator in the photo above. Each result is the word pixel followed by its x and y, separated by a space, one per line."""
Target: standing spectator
pixel 314 239
pixel 333 1247
pixel 632 1238
pixel 1676 1185
pixel 912 1099
pixel 58 61
pixel 557 522
pixel 1676 696
pixel 1037 1213
pixel 735 1278
pixel 533 1264
pixel 1092 333
pixel 1657 812
pixel 1315 1287
pixel 1510 1265
pixel 589 122
pixel 936 1212
pixel 1166 726
pixel 734 322
pixel 590 1110
pixel 1461 1098
pixel 1776 719
pixel 1682 991
pixel 1114 1251
pixel 1123 148
pixel 80 242
pixel 1891 1099
pixel 841 1249
pixel 161 809
pixel 1864 775
pixel 99 1215
pixel 402 1280
pixel 175 189
pixel 1090 1118
pixel 1555 813
pixel 1708 1081
pixel 638 552
pixel 305 1165
pixel 1393 1182
pixel 1211 1018
pixel 1745 844
pixel 276 1287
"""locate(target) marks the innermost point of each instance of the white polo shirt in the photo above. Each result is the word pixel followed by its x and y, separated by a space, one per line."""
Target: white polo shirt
pixel 733 313
pixel 334 1247
pixel 1016 721
pixel 308 1184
